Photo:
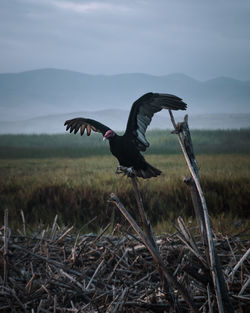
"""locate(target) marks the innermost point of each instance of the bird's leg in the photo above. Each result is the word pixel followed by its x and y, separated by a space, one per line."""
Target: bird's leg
pixel 128 171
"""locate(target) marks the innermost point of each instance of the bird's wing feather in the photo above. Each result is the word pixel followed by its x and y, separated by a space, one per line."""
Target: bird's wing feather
pixel 142 112
pixel 81 124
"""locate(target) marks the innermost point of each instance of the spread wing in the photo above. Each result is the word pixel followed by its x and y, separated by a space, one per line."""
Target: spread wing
pixel 81 124
pixel 142 112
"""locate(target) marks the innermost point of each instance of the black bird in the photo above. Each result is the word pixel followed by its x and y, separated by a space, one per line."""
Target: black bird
pixel 127 148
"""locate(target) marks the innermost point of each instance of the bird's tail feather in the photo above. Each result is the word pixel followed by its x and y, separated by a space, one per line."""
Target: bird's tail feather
pixel 147 172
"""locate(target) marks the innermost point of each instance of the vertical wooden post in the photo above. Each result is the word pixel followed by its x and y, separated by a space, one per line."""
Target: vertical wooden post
pixel 5 248
pixel 146 224
pixel 223 300
pixel 150 236
pixel 197 209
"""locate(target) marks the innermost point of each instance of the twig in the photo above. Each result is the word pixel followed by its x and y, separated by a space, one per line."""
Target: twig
pixel 71 278
pixel 101 234
pixel 95 273
pixel 244 287
pixel 29 284
pixel 24 224
pixel 239 263
pixel 53 229
pixel 118 304
pixel 117 264
pixel 45 259
pixel 186 234
pixel 64 234
pixel 199 257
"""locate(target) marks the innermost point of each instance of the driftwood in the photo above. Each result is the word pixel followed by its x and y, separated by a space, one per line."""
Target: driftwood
pixel 55 270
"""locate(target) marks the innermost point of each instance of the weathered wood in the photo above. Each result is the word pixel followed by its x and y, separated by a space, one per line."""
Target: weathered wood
pixel 223 299
pixel 197 209
pixel 244 257
pixel 146 224
pixel 5 247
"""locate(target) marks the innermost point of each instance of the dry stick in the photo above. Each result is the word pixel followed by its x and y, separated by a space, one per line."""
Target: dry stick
pixel 29 284
pixel 71 278
pixel 239 263
pixel 118 304
pixel 187 141
pixel 24 224
pixel 219 284
pixel 155 254
pixel 117 264
pixel 146 225
pixel 149 233
pixel 64 234
pixel 100 235
pixel 199 257
pixel 45 259
pixel 244 286
pixel 198 209
pixel 95 273
pixel 53 229
pixel 186 233
pixel 5 248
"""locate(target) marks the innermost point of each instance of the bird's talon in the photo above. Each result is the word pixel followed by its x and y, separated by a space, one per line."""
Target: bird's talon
pixel 129 171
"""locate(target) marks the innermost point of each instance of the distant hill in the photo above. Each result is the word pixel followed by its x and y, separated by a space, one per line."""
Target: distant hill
pixel 117 119
pixel 51 91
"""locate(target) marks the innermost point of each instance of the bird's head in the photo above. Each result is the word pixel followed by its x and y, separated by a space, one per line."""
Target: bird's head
pixel 109 134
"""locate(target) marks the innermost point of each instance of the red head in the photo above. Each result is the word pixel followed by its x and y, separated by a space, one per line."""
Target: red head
pixel 109 134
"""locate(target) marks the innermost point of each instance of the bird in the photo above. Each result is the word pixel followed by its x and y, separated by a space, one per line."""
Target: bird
pixel 127 148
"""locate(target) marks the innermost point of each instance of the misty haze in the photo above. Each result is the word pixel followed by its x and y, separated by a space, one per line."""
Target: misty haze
pixel 40 101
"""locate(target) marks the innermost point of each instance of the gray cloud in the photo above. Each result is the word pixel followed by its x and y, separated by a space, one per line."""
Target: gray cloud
pixel 203 39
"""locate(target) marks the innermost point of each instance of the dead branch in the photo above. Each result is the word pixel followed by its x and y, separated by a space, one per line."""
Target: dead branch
pixel 223 300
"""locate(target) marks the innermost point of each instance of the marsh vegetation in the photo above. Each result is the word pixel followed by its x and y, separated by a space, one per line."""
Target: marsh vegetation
pixel 73 176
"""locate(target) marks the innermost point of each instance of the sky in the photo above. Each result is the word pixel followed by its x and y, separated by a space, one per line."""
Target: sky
pixel 202 39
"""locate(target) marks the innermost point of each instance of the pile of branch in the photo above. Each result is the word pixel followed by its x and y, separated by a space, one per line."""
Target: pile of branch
pixel 57 271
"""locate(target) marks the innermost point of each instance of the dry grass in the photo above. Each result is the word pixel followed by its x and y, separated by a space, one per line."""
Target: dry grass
pixel 57 270
pixel 78 190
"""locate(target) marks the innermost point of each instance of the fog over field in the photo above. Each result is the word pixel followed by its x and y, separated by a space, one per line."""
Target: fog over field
pixel 40 101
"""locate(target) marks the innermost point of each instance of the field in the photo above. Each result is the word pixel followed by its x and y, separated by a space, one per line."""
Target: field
pixel 73 176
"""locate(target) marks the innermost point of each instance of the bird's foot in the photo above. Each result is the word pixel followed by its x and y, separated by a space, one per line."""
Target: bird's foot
pixel 128 171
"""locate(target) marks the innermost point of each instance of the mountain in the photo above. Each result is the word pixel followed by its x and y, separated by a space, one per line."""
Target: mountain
pixel 43 92
pixel 117 119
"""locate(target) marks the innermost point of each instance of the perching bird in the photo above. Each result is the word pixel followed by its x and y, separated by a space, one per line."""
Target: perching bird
pixel 127 148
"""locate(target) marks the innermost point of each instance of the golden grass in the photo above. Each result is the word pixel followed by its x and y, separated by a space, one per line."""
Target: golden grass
pixel 78 189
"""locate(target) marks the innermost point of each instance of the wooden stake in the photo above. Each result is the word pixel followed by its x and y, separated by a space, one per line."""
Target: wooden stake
pixel 223 300
pixel 146 224
pixel 5 248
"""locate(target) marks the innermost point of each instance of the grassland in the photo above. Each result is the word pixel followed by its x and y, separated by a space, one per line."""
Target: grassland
pixel 161 142
pixel 72 176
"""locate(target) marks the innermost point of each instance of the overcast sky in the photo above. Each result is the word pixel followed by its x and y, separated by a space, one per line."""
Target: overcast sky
pixel 203 39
